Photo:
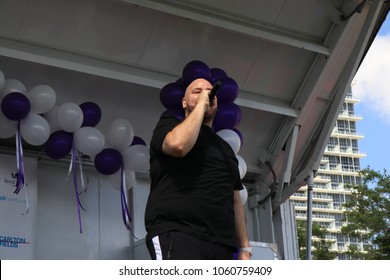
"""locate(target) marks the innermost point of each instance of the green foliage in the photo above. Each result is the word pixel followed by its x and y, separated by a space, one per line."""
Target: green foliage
pixel 354 252
pixel 321 246
pixel 368 215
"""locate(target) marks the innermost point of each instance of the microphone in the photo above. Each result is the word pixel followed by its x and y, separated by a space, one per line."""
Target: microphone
pixel 214 90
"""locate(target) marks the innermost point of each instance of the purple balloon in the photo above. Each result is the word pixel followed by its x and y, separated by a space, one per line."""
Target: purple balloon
pixel 138 141
pixel 59 144
pixel 15 106
pixel 108 161
pixel 217 73
pixel 176 112
pixel 92 113
pixel 180 82
pixel 227 117
pixel 228 91
pixel 194 70
pixel 171 95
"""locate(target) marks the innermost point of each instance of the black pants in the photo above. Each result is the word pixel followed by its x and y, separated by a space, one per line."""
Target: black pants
pixel 175 245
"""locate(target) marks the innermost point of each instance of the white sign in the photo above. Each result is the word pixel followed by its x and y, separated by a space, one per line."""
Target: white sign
pixel 17 211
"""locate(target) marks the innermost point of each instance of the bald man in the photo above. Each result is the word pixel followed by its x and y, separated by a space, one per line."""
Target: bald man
pixel 194 209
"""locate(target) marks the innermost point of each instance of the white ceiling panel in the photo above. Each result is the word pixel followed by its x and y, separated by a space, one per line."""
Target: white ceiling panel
pixel 269 76
pixel 98 28
pixel 11 14
pixel 315 19
pixel 182 40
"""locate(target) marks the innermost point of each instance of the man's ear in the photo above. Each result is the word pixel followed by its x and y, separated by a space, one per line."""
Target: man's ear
pixel 184 103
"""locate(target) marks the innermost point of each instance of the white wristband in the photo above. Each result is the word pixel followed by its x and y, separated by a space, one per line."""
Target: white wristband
pixel 246 249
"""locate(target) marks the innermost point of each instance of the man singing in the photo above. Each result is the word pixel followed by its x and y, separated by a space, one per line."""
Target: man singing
pixel 194 210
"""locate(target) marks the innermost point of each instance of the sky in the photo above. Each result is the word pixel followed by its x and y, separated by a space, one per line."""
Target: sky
pixel 371 85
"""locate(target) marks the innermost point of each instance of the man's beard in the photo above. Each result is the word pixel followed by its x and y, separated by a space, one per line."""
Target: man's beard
pixel 207 116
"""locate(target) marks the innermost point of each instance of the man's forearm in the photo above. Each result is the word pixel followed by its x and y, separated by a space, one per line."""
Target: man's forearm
pixel 241 229
pixel 182 138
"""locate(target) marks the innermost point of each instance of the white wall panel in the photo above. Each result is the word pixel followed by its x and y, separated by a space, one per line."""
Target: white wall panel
pixel 140 197
pixel 104 235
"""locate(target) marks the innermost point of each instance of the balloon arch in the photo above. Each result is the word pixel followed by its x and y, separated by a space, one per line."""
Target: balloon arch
pixel 70 129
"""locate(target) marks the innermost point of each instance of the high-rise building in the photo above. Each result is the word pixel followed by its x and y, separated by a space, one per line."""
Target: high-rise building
pixel 338 169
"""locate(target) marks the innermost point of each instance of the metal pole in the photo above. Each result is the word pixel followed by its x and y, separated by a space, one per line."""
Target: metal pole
pixel 309 215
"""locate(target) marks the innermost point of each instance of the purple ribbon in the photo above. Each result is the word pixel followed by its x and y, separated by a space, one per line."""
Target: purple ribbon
pixel 19 162
pixel 81 162
pixel 125 209
pixel 76 187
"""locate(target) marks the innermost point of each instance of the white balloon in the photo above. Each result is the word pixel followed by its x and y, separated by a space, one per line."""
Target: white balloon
pixel 70 117
pixel 2 80
pixel 242 167
pixel 244 195
pixel 232 138
pixel 120 134
pixel 42 99
pixel 115 179
pixel 89 140
pixel 34 129
pixel 12 85
pixel 52 119
pixel 136 158
pixel 7 127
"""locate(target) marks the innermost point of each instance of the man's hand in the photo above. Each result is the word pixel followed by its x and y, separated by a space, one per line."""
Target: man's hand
pixel 244 256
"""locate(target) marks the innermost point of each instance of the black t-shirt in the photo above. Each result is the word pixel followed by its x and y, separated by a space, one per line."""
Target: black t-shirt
pixel 193 194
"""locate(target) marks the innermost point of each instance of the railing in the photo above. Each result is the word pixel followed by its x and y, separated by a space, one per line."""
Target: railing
pixel 299 194
pixel 350 168
pixel 346 132
pixel 319 216
pixel 349 114
pixel 322 196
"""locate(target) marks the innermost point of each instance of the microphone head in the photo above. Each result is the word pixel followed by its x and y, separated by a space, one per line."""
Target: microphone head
pixel 214 90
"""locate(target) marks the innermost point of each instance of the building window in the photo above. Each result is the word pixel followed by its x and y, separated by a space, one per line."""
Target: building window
pixel 320 186
pixel 351 110
pixel 333 162
pixel 344 144
pixel 333 141
pixel 352 126
pixel 349 164
pixel 346 127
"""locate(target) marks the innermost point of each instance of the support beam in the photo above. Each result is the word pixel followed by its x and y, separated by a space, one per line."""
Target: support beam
pixel 123 72
pixel 83 63
pixel 267 104
pixel 286 231
pixel 310 185
pixel 285 178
